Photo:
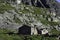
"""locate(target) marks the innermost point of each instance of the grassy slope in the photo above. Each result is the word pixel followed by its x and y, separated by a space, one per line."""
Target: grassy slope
pixel 6 7
pixel 21 37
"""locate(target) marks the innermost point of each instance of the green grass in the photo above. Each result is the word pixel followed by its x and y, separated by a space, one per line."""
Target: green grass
pixel 22 37
pixel 55 32
pixel 46 22
pixel 5 7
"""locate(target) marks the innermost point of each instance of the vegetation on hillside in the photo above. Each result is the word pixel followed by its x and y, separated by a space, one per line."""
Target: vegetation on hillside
pixel 4 33
pixel 5 36
pixel 5 7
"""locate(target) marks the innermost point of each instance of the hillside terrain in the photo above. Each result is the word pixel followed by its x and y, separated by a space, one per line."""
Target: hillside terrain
pixel 43 15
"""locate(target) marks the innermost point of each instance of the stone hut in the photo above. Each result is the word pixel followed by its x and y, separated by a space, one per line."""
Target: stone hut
pixel 27 30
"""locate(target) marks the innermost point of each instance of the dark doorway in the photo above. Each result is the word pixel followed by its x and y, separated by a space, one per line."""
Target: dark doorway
pixel 24 30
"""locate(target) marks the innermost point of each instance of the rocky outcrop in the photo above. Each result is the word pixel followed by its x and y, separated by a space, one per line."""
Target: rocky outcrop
pixel 38 3
pixel 52 4
pixel 13 19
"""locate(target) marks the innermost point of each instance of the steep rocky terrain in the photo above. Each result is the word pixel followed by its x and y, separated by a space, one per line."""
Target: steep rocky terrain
pixel 42 14
pixel 12 16
pixel 52 4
